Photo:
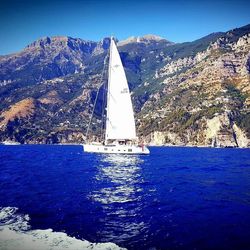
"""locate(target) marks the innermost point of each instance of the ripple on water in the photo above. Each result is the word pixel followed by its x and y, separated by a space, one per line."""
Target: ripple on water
pixel 171 199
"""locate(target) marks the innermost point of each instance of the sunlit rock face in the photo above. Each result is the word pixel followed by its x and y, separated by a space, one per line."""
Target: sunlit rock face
pixel 219 132
pixel 194 93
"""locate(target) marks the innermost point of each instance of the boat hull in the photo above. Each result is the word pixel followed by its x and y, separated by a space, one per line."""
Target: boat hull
pixel 115 149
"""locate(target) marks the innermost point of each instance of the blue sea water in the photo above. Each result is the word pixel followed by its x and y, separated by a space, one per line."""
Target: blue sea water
pixel 174 198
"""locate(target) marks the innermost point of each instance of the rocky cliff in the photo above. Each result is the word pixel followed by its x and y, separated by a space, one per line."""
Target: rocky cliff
pixel 194 93
pixel 204 99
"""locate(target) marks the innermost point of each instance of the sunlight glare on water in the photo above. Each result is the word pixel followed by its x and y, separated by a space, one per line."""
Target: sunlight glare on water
pixel 122 178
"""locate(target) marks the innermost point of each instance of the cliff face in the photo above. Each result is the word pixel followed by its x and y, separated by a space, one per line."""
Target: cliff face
pixel 194 93
pixel 204 99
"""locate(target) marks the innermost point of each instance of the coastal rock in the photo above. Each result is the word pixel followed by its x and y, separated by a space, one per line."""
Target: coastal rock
pixel 219 132
pixel 158 138
pixel 242 140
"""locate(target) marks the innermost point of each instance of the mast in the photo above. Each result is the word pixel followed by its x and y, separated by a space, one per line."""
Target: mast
pixel 108 93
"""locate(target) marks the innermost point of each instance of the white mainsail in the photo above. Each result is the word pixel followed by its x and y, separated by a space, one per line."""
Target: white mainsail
pixel 120 123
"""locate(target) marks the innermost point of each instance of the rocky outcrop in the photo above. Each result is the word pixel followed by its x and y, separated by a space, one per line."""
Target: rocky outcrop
pixel 157 138
pixel 219 132
pixel 242 140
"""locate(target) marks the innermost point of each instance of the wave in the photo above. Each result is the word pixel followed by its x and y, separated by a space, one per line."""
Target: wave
pixel 16 234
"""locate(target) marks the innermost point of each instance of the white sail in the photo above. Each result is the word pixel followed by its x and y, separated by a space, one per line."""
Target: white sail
pixel 120 123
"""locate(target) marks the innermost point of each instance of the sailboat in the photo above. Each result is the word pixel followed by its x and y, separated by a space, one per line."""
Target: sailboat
pixel 120 132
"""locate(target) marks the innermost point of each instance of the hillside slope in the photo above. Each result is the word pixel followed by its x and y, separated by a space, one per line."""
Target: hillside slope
pixel 194 93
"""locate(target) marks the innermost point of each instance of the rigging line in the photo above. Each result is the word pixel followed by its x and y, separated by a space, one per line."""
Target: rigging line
pixel 103 102
pixel 92 113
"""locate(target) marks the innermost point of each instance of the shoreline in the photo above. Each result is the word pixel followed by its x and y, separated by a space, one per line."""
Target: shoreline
pixel 149 145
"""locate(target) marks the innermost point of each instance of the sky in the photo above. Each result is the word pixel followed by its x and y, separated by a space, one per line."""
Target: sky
pixel 24 21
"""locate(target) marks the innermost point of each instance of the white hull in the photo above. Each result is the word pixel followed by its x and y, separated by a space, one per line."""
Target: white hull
pixel 10 143
pixel 115 149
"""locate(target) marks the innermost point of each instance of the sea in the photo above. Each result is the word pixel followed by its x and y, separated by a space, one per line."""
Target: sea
pixel 58 197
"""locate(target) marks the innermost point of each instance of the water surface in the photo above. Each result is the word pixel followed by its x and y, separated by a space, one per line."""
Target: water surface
pixel 174 198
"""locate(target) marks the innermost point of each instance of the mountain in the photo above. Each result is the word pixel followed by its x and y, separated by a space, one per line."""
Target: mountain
pixel 192 93
pixel 147 39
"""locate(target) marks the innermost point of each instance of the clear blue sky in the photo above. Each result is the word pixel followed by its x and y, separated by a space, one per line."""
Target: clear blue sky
pixel 23 21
